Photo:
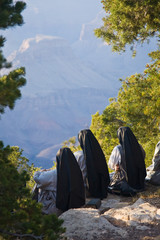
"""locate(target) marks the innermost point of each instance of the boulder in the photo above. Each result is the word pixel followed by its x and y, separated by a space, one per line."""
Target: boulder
pixel 115 219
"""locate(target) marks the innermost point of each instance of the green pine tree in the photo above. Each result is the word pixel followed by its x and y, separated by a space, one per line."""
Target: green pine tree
pixel 20 216
pixel 128 23
pixel 10 16
pixel 137 106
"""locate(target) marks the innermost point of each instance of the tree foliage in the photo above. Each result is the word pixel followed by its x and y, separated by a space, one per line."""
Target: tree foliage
pixel 10 16
pixel 21 217
pixel 9 88
pixel 137 106
pixel 22 164
pixel 11 13
pixel 129 22
pixel 72 144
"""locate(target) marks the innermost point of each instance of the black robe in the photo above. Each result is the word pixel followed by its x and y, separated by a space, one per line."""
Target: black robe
pixel 132 158
pixel 97 169
pixel 70 186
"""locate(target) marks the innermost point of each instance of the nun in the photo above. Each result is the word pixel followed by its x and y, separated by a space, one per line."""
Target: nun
pixel 128 161
pixel 93 165
pixel 70 186
pixel 61 188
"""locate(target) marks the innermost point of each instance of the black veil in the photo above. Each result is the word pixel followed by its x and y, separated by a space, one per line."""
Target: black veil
pixel 70 186
pixel 133 158
pixel 97 169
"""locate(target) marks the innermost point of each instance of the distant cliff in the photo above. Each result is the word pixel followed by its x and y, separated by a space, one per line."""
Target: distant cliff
pixel 66 84
pixel 60 96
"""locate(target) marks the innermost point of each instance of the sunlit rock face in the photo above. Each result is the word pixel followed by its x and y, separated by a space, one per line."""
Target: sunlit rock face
pixel 51 65
pixel 116 219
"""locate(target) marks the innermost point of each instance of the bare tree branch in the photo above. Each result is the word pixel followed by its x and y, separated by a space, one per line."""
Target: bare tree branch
pixel 20 236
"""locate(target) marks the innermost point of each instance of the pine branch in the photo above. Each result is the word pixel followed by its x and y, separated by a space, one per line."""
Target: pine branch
pixel 22 235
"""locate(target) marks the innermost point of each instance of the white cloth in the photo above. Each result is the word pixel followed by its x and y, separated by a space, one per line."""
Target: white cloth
pixel 115 157
pixel 155 166
pixel 47 184
pixel 156 157
pixel 46 179
pixel 82 164
pixel 157 149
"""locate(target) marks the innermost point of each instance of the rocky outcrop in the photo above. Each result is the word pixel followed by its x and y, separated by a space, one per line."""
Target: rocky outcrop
pixel 117 218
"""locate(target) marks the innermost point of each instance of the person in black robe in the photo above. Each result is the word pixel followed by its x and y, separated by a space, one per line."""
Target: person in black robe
pixel 70 186
pixel 127 159
pixel 97 170
pixel 132 158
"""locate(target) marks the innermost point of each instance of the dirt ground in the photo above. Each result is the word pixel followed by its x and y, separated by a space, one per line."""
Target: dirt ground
pixel 153 233
pixel 152 196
